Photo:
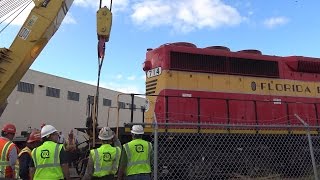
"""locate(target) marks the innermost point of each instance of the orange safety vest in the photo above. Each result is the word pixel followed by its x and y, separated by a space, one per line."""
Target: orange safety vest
pixel 5 147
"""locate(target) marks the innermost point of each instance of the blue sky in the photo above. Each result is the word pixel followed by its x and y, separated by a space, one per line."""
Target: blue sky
pixel 276 27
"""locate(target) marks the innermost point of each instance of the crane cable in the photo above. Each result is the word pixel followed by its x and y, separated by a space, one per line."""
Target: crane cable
pixel 101 44
pixel 10 5
pixel 13 11
pixel 100 63
pixel 100 6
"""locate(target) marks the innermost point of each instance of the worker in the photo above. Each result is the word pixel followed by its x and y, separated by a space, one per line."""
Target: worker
pixel 71 142
pixel 71 148
pixel 104 161
pixel 49 160
pixel 9 151
pixel 136 157
pixel 24 156
pixel 62 139
pixel 42 125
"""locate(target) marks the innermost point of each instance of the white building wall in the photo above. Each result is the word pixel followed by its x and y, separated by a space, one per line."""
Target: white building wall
pixel 25 109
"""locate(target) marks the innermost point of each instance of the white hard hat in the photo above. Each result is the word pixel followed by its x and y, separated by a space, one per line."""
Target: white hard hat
pixel 47 130
pixel 137 129
pixel 106 133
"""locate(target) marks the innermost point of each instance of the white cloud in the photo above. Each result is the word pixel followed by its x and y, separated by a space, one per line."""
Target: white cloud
pixel 152 13
pixel 132 78
pixel 185 15
pixel 86 3
pixel 125 88
pixel 275 21
pixel 120 87
pixel 119 76
pixel 69 19
pixel 181 15
pixel 118 5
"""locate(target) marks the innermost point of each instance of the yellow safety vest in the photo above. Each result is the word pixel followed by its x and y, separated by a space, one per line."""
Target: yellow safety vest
pixel 26 149
pixel 46 160
pixel 138 156
pixel 17 166
pixel 106 160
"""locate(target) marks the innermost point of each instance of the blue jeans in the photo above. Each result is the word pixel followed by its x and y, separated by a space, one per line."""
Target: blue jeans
pixel 138 177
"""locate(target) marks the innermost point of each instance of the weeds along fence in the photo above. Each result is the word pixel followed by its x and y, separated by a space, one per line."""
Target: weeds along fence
pixel 220 151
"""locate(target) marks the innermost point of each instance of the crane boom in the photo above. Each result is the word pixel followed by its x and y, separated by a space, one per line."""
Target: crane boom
pixel 41 24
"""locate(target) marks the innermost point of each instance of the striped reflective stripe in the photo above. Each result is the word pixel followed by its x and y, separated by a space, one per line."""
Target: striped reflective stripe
pixel 106 168
pixel 34 155
pixel 26 149
pixel 55 161
pixel 126 146
pixel 130 163
pixel 114 164
pixel 5 151
pixel 138 162
pixel 47 165
pixel 4 162
pixel 96 154
pixel 150 150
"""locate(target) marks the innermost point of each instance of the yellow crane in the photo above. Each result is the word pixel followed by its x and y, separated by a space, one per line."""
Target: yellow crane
pixel 41 24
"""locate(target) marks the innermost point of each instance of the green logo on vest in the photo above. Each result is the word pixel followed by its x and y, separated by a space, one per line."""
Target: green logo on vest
pixel 45 154
pixel 106 157
pixel 139 148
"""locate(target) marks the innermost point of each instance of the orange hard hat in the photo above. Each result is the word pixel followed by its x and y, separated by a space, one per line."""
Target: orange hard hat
pixel 9 128
pixel 34 136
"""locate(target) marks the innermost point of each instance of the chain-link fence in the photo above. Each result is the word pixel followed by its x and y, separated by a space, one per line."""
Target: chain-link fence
pixel 217 151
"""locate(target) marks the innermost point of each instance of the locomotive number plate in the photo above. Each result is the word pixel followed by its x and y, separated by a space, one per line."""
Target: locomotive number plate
pixel 154 72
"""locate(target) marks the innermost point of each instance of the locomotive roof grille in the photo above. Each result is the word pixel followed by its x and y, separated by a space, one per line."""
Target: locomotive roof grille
pixel 223 65
pixel 308 66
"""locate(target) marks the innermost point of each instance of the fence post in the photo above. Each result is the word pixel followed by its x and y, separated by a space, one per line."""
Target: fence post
pixel 310 147
pixel 155 148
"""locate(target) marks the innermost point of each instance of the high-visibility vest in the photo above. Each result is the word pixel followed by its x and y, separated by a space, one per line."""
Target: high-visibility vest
pixel 138 156
pixel 6 170
pixel 105 160
pixel 25 150
pixel 17 166
pixel 46 160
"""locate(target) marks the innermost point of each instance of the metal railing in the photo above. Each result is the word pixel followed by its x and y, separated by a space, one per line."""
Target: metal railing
pixel 234 151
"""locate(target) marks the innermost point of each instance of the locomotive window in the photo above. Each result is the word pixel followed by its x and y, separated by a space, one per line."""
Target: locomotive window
pixel 253 67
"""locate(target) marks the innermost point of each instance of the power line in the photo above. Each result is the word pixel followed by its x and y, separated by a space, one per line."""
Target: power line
pixel 12 12
pixel 25 6
pixel 9 6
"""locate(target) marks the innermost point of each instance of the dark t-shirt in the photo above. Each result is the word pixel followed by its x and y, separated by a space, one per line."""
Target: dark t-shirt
pixel 63 158
pixel 24 162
